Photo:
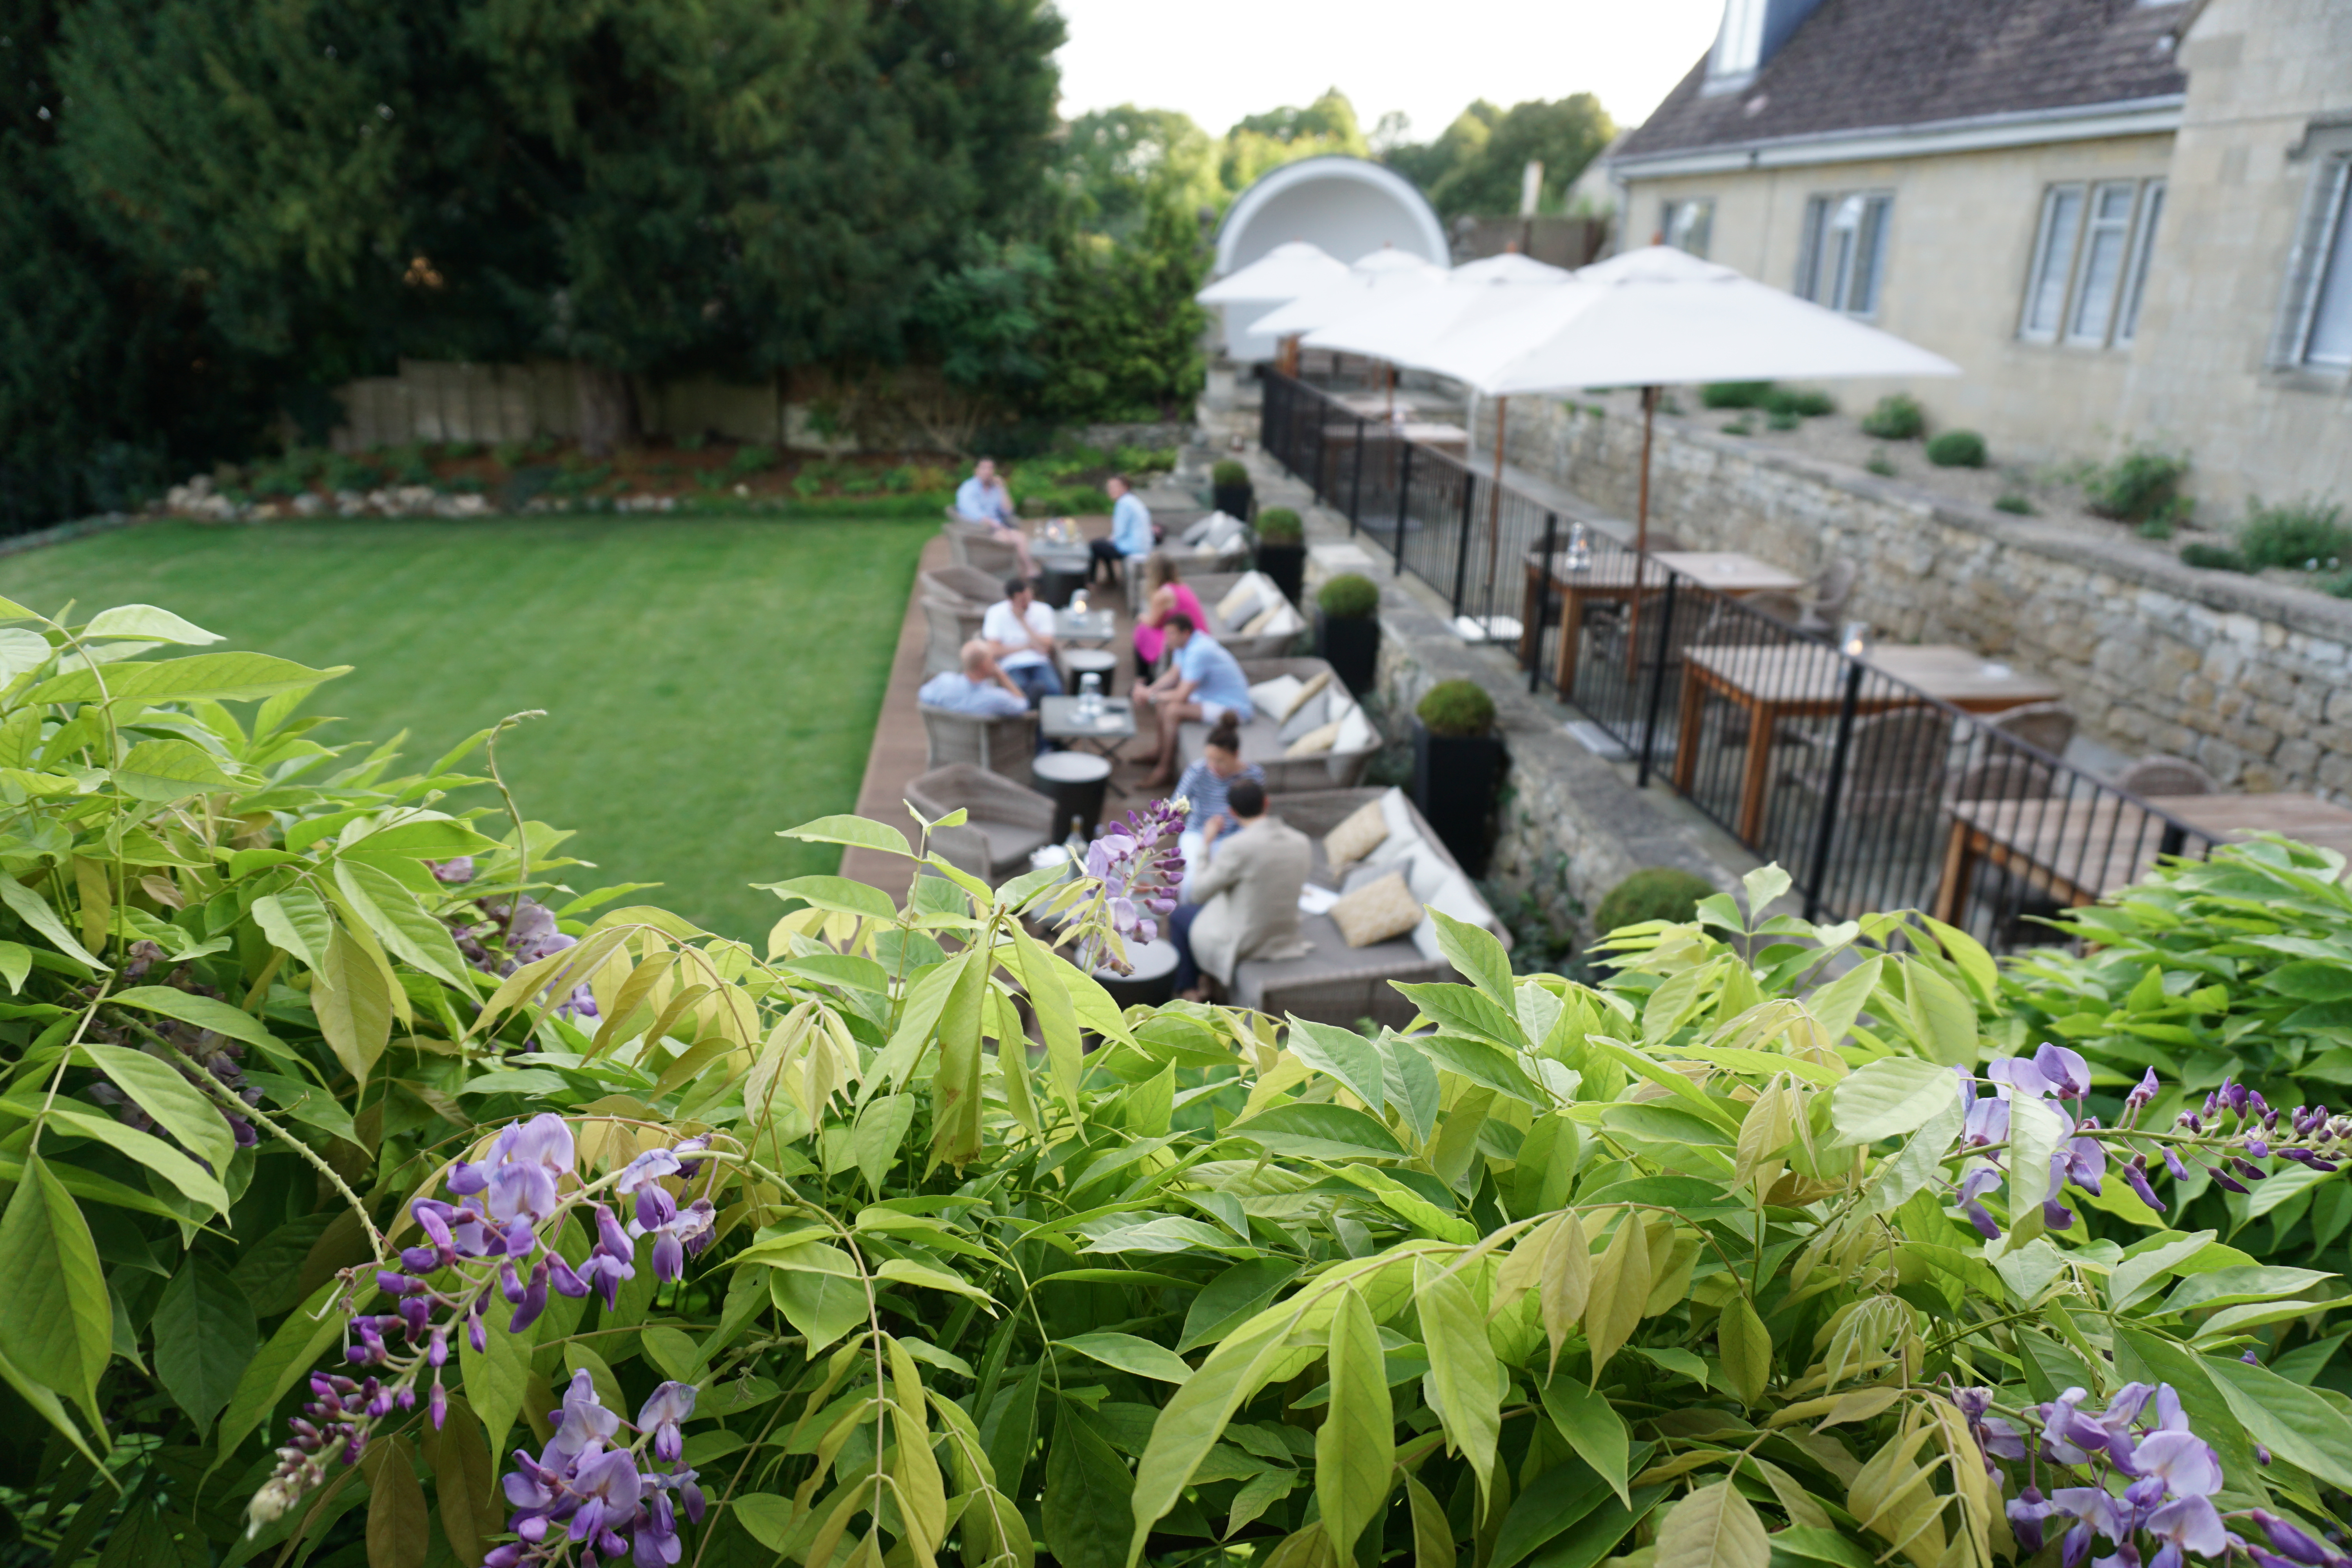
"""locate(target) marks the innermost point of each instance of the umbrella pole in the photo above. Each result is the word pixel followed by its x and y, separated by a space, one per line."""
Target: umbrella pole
pixel 1495 509
pixel 1641 529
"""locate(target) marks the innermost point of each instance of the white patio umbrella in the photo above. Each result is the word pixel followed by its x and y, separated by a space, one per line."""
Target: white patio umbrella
pixel 1381 274
pixel 1282 274
pixel 1656 316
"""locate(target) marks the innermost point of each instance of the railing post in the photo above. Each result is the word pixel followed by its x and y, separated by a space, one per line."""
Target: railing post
pixel 1462 545
pixel 1322 424
pixel 1356 482
pixel 1404 500
pixel 1819 870
pixel 1542 606
pixel 1657 678
pixel 1267 419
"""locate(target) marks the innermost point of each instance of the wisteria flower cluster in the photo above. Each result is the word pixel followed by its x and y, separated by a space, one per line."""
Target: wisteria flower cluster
pixel 1137 861
pixel 192 1049
pixel 2313 1136
pixel 518 930
pixel 492 1241
pixel 2147 1483
pixel 581 1491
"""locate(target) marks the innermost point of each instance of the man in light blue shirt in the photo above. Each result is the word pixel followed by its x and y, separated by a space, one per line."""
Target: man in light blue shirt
pixel 1202 681
pixel 983 498
pixel 1131 533
pixel 978 688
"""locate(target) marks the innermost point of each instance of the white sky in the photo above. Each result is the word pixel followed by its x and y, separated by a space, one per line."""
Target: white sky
pixel 1218 60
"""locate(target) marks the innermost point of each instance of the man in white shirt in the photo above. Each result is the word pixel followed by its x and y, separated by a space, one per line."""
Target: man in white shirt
pixel 1020 632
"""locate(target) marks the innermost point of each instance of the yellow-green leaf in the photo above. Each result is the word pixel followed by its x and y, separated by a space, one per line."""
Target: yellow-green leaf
pixel 353 1002
pixel 1715 1527
pixel 1461 1366
pixel 1746 1347
pixel 1621 1287
pixel 399 1531
pixel 1356 1446
pixel 57 1322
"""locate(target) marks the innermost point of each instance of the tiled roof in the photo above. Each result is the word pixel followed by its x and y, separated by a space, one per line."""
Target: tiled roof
pixel 1856 64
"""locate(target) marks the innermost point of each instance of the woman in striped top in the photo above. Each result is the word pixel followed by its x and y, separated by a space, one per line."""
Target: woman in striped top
pixel 1204 788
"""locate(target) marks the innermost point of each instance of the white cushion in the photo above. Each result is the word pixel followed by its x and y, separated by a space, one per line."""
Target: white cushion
pixel 1275 698
pixel 1285 622
pixel 1403 837
pixel 1240 600
pixel 1199 532
pixel 1223 530
pixel 1311 714
pixel 1456 898
pixel 1356 732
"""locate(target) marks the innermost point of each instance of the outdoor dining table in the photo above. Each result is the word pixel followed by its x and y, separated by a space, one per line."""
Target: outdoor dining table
pixel 1062 570
pixel 2077 851
pixel 1377 404
pixel 1058 720
pixel 1093 628
pixel 1610 576
pixel 1777 680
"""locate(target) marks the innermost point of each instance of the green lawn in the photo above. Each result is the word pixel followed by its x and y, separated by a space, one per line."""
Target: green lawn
pixel 707 683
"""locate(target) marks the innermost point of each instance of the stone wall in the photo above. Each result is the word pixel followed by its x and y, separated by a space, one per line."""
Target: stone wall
pixel 2253 679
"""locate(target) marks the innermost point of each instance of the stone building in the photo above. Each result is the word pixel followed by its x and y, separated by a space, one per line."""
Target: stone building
pixel 2128 222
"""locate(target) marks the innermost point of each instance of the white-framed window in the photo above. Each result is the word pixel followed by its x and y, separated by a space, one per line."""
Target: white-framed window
pixel 2089 267
pixel 1687 224
pixel 1842 257
pixel 1738 47
pixel 2319 299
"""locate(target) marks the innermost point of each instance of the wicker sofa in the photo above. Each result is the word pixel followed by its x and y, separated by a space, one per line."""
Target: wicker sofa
pixel 1336 984
pixel 1263 741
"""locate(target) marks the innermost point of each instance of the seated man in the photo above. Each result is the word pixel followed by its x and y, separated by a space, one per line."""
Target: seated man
pixel 1131 533
pixel 1248 897
pixel 1202 681
pixel 983 498
pixel 1019 631
pixel 978 688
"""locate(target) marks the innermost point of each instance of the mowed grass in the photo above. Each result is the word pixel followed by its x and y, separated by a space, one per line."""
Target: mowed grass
pixel 707 683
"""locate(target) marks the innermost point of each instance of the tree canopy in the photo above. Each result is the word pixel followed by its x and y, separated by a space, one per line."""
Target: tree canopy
pixel 1474 165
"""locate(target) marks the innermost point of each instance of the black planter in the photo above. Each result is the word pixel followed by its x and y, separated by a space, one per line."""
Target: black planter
pixel 1352 648
pixel 1233 500
pixel 1455 781
pixel 1286 564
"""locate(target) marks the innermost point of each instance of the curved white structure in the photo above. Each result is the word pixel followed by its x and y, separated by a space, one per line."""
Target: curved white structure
pixel 1349 206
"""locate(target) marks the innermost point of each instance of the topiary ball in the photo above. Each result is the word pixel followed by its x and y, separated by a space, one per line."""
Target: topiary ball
pixel 1279 525
pixel 1228 472
pixel 1898 417
pixel 1659 893
pixel 1958 449
pixel 1349 597
pixel 1456 708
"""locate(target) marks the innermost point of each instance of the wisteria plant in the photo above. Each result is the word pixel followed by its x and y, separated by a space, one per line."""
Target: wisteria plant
pixel 374 1196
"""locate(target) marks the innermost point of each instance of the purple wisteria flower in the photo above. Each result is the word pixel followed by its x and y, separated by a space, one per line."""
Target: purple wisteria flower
pixel 490 1237
pixel 1136 861
pixel 604 1502
pixel 519 931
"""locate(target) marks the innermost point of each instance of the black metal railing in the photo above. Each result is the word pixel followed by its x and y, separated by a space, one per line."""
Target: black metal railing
pixel 1872 791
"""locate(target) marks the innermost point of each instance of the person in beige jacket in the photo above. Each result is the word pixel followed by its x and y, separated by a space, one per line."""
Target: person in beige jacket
pixel 1247 897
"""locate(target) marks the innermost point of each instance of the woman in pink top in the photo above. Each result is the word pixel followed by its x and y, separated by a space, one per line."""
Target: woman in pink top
pixel 1165 594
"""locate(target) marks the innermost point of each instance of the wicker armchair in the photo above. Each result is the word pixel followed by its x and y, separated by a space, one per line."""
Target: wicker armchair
pixel 1003 746
pixel 1897 761
pixel 974 543
pixel 1336 984
pixel 1827 598
pixel 2049 725
pixel 950 624
pixel 2167 775
pixel 1004 822
pixel 969 583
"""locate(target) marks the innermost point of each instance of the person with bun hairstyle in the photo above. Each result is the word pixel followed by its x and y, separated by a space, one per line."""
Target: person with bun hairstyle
pixel 1206 788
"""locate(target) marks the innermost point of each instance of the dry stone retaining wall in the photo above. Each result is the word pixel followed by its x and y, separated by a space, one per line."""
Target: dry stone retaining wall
pixel 2248 677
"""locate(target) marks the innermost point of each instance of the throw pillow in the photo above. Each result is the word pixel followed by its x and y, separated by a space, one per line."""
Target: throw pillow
pixel 1313 744
pixel 1262 622
pixel 1284 619
pixel 1356 837
pixel 1237 600
pixel 1356 732
pixel 1377 912
pixel 1308 688
pixel 1276 698
pixel 1308 715
pixel 1456 898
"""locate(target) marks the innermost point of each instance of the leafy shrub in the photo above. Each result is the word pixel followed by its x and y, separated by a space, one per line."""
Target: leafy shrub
pixel 2142 484
pixel 1739 426
pixel 1956 450
pixel 1658 894
pixel 2213 558
pixel 1898 416
pixel 1349 597
pixel 1882 465
pixel 510 455
pixel 343 471
pixel 693 443
pixel 2013 502
pixel 898 478
pixel 1733 394
pixel 1229 473
pixel 1782 420
pixel 1279 525
pixel 287 1026
pixel 750 459
pixel 1788 401
pixel 1456 708
pixel 2304 534
pixel 807 486
pixel 461 451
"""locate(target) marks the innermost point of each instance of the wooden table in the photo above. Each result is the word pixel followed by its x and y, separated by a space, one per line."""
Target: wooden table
pixel 1610 576
pixel 1376 405
pixel 1800 678
pixel 2078 851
